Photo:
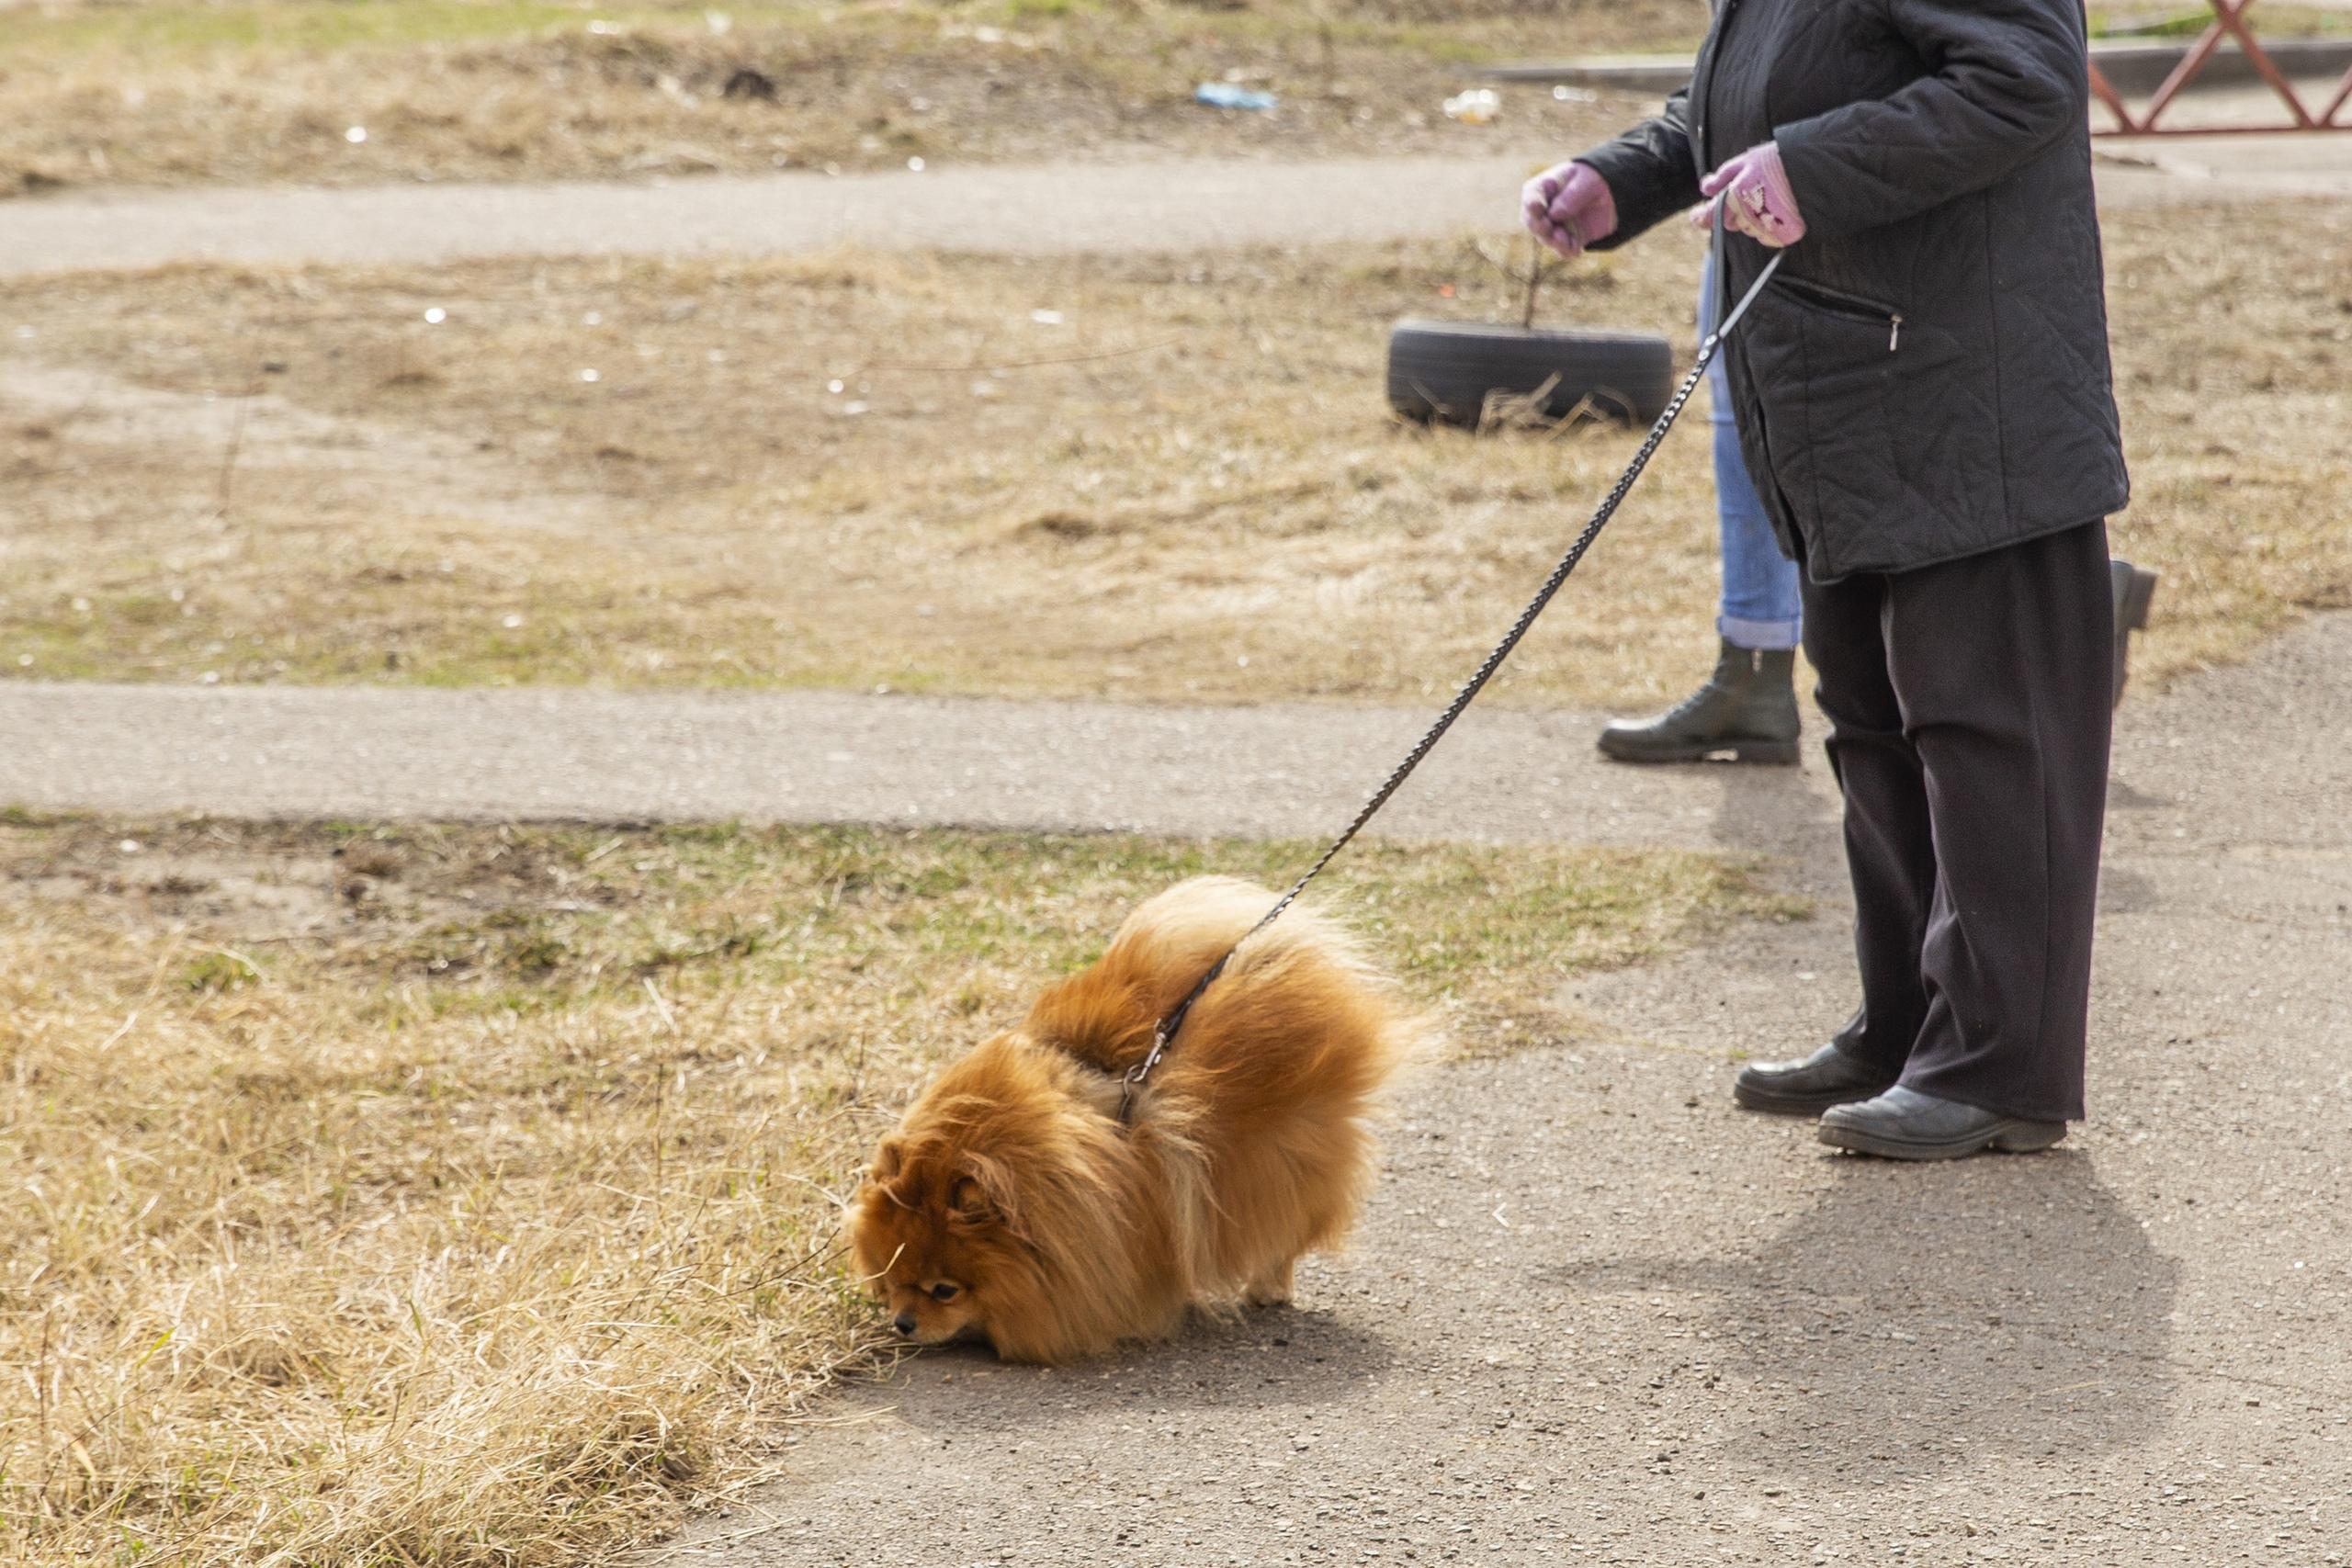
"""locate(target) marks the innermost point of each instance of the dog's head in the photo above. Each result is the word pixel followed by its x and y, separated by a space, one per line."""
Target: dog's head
pixel 1004 1206
pixel 937 1231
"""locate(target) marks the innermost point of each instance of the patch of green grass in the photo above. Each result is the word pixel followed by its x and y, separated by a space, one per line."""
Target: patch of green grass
pixel 218 970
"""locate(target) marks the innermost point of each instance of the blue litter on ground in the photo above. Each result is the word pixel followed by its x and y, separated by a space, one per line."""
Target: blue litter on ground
pixel 1226 95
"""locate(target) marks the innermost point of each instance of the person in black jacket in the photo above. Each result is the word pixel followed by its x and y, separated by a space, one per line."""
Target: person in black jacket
pixel 1923 393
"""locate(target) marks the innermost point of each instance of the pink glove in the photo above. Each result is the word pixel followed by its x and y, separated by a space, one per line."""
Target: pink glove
pixel 1753 191
pixel 1568 207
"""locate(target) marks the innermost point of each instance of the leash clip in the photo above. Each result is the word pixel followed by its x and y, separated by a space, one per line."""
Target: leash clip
pixel 1132 1080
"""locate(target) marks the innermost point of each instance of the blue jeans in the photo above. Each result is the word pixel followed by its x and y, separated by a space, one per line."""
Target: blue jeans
pixel 1760 601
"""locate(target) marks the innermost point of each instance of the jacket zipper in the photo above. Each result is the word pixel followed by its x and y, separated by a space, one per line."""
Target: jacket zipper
pixel 1847 304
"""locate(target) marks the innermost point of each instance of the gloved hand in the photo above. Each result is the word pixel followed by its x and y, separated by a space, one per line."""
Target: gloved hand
pixel 1753 191
pixel 1568 207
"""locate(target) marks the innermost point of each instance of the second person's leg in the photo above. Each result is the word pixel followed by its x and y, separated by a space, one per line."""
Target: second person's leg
pixel 1762 607
pixel 1748 709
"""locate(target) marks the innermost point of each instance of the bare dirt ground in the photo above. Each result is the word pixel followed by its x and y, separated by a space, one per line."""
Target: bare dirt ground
pixel 1164 477
pixel 1597 1314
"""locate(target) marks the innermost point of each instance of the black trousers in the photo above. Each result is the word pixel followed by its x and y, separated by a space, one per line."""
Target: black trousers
pixel 1969 714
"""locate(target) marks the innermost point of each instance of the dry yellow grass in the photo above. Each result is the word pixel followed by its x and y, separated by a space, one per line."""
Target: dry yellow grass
pixel 429 1196
pixel 249 91
pixel 1192 469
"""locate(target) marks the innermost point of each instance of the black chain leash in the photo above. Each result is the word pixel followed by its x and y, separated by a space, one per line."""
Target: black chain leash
pixel 1164 1034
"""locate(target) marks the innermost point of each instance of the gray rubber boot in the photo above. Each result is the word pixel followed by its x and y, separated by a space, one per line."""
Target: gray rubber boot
pixel 1747 711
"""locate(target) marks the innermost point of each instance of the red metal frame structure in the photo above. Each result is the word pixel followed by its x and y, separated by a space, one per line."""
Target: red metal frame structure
pixel 2228 21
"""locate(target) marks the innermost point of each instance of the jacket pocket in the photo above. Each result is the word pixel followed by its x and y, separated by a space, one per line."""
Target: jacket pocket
pixel 1822 378
pixel 1880 431
pixel 1837 302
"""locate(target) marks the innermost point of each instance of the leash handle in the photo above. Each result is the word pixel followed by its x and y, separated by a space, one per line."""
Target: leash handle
pixel 1164 1033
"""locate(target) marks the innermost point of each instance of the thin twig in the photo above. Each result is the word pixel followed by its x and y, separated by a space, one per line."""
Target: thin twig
pixel 236 441
pixel 661 1004
pixel 1538 271
pixel 40 1396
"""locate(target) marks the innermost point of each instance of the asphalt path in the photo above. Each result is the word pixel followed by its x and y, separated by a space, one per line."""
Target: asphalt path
pixel 1091 207
pixel 551 754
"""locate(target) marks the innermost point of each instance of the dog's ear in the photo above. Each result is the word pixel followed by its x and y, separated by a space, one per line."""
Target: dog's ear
pixel 886 1174
pixel 983 1194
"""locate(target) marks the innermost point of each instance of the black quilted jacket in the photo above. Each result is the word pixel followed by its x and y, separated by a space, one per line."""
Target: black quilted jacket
pixel 1927 377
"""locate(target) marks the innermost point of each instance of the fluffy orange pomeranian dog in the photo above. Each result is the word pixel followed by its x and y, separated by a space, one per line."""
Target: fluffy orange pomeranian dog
pixel 1013 1205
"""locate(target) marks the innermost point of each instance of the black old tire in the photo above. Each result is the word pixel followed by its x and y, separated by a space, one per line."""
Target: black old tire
pixel 1446 370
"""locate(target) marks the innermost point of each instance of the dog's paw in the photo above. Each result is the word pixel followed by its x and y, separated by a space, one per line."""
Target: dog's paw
pixel 1271 1289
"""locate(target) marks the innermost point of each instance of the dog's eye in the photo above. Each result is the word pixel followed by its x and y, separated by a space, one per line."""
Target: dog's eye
pixel 944 1291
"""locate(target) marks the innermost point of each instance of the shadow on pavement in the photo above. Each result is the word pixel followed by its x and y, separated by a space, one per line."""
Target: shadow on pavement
pixel 1777 811
pixel 1261 1360
pixel 1921 1319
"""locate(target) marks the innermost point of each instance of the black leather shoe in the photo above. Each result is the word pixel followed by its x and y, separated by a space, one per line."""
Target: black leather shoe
pixel 1747 711
pixel 1827 1077
pixel 1903 1123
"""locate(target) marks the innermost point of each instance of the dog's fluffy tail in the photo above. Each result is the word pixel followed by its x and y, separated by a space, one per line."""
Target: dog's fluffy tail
pixel 1260 1118
pixel 1267 1102
pixel 1298 1010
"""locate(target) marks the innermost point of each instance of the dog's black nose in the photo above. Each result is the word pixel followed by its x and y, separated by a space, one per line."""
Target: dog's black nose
pixel 905 1324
